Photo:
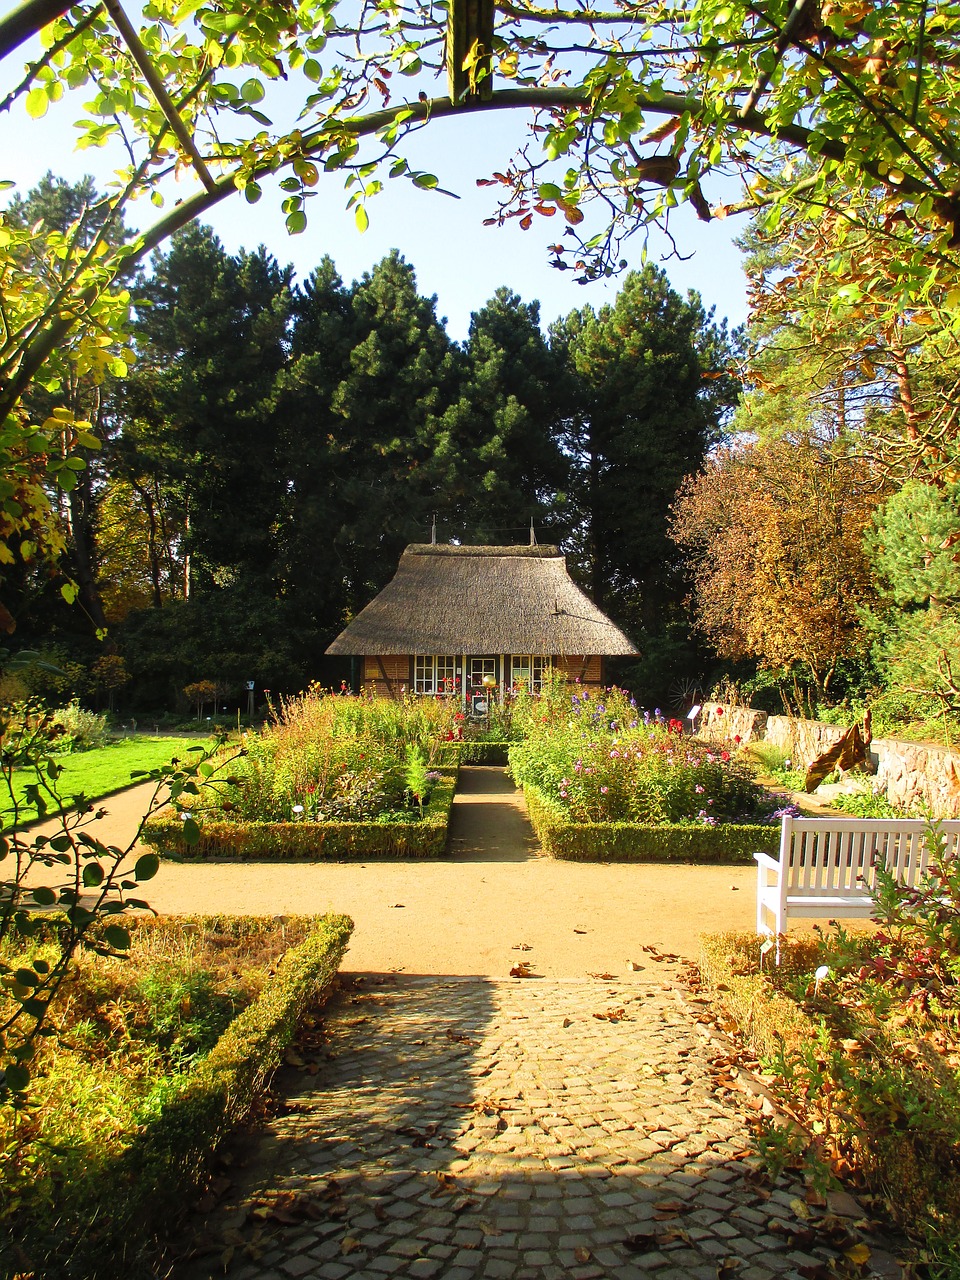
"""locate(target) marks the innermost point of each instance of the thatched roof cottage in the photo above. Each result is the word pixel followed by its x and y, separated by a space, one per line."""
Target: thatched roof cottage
pixel 462 618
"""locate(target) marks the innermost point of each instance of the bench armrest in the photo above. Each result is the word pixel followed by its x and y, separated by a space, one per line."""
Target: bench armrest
pixel 765 860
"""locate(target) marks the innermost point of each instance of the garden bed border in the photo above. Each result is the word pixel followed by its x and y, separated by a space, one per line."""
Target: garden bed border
pixel 313 841
pixel 561 837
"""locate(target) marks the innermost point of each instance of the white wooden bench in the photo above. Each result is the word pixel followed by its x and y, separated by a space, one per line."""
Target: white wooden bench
pixel 827 866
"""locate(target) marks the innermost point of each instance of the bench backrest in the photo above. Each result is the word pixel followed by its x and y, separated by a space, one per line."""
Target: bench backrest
pixel 840 855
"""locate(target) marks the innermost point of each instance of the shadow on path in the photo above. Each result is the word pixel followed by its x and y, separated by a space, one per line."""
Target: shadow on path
pixel 469 1128
pixel 488 822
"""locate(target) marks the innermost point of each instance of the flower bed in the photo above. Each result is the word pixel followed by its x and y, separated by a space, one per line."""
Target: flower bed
pixel 562 837
pixel 858 1032
pixel 604 780
pixel 127 1108
pixel 221 837
pixel 331 778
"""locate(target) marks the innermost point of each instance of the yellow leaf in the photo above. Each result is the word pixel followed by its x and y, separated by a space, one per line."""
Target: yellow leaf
pixel 858 1254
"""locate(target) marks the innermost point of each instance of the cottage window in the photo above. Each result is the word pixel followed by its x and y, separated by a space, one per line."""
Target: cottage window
pixel 527 671
pixel 434 674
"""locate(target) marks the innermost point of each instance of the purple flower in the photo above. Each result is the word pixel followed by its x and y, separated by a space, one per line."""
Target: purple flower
pixel 698 789
pixel 604 790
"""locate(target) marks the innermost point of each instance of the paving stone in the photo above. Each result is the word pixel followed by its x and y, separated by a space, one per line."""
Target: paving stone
pixel 591 1125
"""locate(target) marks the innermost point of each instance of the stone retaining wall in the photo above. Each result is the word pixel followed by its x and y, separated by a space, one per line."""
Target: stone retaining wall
pixel 911 774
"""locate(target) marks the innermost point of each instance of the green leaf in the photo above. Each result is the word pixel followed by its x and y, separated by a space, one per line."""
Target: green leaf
pixel 92 875
pixel 296 222
pixel 16 1077
pixel 361 218
pixel 146 867
pixel 70 591
pixel 252 91
pixel 117 936
pixel 252 192
pixel 37 103
pixel 426 180
pixel 43 896
pixel 191 831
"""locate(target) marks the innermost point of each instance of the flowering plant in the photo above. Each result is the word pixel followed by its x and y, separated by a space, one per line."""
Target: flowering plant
pixel 324 758
pixel 605 760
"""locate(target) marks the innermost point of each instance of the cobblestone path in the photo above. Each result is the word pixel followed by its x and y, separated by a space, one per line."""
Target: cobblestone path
pixel 468 1128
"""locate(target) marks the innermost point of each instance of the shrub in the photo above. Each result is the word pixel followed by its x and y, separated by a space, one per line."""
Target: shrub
pixel 642 842
pixel 860 1031
pixel 123 1132
pixel 77 729
pixel 221 837
pixel 325 758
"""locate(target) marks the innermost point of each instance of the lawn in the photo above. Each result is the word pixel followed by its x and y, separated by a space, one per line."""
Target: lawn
pixel 101 771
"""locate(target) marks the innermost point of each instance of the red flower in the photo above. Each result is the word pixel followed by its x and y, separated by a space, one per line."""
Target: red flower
pixel 719 711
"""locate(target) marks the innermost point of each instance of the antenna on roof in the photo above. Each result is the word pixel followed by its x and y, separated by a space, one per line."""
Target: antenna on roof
pixel 433 532
pixel 533 536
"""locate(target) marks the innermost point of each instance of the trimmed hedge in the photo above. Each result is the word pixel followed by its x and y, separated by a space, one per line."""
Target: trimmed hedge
pixel 642 842
pixel 117 1228
pixel 484 752
pixel 169 1158
pixel 312 841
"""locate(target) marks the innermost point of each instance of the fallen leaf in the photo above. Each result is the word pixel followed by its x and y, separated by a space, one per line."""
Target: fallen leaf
pixel 522 946
pixel 568 1022
pixel 611 1015
pixel 581 1254
pixel 801 1209
pixel 604 977
pixel 393 905
pixel 348 1244
pixel 858 1254
pixel 669 1206
pixel 579 931
pixel 462 1205
pixel 521 970
pixel 446 1185
pixel 457 1038
pixel 633 967
pixel 727 1267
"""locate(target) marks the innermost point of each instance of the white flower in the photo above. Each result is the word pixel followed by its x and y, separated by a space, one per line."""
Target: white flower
pixel 298 808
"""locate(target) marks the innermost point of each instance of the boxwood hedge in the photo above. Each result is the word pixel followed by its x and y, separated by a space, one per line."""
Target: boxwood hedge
pixel 642 842
pixel 312 841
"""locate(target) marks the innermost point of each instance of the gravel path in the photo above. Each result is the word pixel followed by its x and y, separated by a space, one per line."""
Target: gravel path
pixel 466 913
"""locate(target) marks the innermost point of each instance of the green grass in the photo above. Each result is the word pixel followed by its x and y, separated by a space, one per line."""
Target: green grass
pixel 100 772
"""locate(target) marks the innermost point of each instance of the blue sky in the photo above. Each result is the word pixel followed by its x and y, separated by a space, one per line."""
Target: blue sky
pixel 454 255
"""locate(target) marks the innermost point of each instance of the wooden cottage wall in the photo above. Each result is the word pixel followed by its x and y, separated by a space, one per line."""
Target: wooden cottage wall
pixel 386 675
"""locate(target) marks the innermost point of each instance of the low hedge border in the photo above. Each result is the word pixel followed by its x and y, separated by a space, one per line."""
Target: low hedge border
pixel 561 837
pixel 172 1153
pixel 484 752
pixel 312 841
pixel 904 1142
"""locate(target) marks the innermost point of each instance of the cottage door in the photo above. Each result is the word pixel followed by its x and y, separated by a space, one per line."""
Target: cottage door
pixel 483 682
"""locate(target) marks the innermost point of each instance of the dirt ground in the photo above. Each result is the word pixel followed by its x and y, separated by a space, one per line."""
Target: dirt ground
pixel 493 902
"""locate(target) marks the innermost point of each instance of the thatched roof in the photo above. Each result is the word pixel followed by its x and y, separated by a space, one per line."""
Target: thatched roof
pixel 481 600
